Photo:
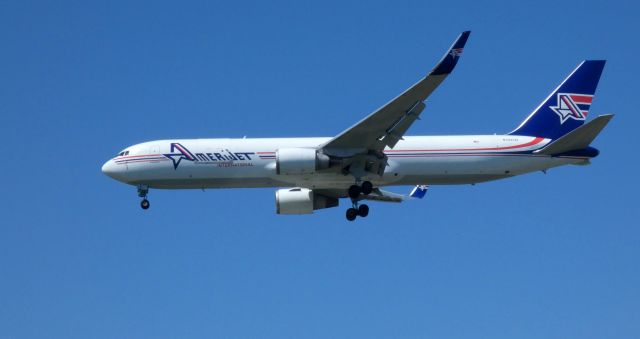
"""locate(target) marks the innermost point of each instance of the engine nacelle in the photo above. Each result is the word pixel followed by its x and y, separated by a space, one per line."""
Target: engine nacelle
pixel 301 201
pixel 300 161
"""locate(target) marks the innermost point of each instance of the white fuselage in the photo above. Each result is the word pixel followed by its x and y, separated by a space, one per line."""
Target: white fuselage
pixel 243 163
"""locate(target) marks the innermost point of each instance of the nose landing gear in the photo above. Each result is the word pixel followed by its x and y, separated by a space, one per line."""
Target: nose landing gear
pixel 143 190
pixel 145 204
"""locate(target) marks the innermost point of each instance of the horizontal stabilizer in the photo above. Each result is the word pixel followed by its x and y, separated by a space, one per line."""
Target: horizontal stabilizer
pixel 417 192
pixel 579 138
pixel 384 196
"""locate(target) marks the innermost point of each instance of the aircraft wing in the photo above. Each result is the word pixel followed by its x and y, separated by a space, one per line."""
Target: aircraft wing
pixel 386 126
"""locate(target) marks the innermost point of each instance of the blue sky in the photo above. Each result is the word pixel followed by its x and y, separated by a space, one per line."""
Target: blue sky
pixel 553 256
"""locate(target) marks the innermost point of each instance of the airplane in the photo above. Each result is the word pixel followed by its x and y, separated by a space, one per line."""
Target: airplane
pixel 315 173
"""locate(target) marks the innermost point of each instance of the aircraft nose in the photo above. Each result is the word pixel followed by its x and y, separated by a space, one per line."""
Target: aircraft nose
pixel 108 168
pixel 112 170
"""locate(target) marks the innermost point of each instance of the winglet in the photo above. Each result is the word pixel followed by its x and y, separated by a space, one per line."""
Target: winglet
pixel 449 60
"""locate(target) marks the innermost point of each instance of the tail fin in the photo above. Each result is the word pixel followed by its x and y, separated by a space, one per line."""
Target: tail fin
pixel 566 108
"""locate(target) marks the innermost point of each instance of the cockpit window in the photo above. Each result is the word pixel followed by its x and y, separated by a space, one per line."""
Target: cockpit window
pixel 123 153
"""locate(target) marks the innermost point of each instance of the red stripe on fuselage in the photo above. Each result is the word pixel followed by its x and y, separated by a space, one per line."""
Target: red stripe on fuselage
pixel 535 141
pixel 140 160
pixel 139 156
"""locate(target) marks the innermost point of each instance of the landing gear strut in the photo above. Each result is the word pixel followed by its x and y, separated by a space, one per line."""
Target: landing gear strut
pixel 354 193
pixel 143 190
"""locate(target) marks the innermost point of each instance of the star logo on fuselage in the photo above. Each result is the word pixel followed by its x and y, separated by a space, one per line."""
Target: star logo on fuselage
pixel 176 158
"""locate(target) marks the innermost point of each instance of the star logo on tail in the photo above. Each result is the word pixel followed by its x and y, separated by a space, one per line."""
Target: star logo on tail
pixel 568 106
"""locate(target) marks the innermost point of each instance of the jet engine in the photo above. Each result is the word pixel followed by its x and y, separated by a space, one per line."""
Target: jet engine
pixel 301 201
pixel 300 161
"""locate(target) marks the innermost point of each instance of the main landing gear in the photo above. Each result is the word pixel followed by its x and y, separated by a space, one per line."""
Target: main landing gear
pixel 354 193
pixel 143 190
pixel 366 188
pixel 362 211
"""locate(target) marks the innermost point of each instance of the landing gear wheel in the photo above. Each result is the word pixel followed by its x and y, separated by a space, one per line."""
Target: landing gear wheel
pixel 352 213
pixel 363 210
pixel 367 187
pixel 145 204
pixel 354 191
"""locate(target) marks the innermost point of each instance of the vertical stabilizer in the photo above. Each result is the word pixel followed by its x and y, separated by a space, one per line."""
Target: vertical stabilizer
pixel 567 107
